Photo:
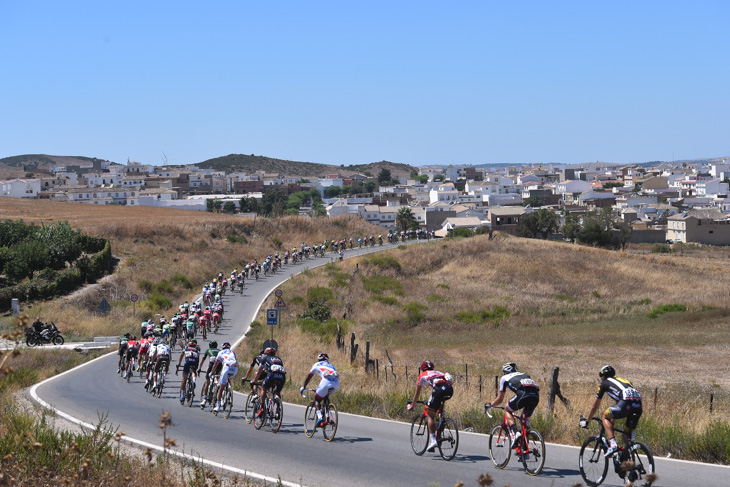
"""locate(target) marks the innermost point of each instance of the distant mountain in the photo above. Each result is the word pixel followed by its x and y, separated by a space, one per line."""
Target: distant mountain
pixel 45 161
pixel 251 163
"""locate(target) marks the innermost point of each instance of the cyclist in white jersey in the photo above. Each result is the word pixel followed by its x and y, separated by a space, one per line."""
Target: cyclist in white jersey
pixel 230 368
pixel 329 383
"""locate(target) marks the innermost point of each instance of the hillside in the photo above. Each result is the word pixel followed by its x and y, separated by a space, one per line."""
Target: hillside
pixel 251 163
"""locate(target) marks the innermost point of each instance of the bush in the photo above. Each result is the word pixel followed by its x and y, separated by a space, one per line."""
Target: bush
pixel 145 285
pixel 661 249
pixel 666 308
pixel 317 311
pixel 381 284
pixel 164 287
pixel 383 263
pixel 182 281
pixel 497 314
pixel 321 295
pixel 390 301
pixel 156 301
pixel 325 330
pixel 415 312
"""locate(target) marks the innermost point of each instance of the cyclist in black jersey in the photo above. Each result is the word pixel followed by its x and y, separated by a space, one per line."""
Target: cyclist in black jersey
pixel 628 405
pixel 272 367
pixel 527 395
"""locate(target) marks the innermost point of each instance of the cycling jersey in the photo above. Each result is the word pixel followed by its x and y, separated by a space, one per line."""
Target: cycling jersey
pixel 325 370
pixel 432 378
pixel 163 350
pixel 230 365
pixel 618 389
pixel 518 382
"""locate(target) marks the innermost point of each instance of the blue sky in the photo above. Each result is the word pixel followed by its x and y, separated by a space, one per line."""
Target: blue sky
pixel 417 82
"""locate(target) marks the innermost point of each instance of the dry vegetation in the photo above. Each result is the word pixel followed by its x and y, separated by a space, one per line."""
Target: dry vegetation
pixel 471 303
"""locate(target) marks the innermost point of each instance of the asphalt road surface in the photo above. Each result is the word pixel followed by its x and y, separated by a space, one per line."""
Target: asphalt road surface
pixel 365 452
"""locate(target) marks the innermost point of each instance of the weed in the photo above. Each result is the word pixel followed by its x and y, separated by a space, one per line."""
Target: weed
pixel 383 263
pixel 667 308
pixel 381 284
pixel 390 301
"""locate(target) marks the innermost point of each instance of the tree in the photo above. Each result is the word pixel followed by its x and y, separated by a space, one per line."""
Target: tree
pixel 539 223
pixel 229 207
pixel 534 201
pixel 213 205
pixel 572 227
pixel 318 209
pixel 332 191
pixel 384 176
pixel 438 178
pixel 422 178
pixel 273 203
pixel 404 218
pixel 370 186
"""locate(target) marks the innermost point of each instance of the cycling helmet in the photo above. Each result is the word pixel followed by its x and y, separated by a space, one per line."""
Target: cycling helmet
pixel 606 371
pixel 127 335
pixel 194 342
pixel 426 365
pixel 213 344
pixel 191 345
pixel 133 337
pixel 226 345
pixel 322 356
pixel 509 367
pixel 269 351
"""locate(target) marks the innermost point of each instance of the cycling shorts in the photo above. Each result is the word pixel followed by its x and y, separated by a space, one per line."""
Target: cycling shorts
pixel 190 333
pixel 227 372
pixel 214 368
pixel 526 400
pixel 631 410
pixel 132 353
pixel 122 349
pixel 440 394
pixel 274 382
pixel 326 387
pixel 162 362
pixel 190 364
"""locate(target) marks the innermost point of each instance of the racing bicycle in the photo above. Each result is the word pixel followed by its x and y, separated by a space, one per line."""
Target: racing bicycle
pixel 530 450
pixel 189 387
pixel 447 434
pixel 633 462
pixel 226 399
pixel 329 414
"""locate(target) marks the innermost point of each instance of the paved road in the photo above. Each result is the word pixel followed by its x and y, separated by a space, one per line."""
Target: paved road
pixel 366 451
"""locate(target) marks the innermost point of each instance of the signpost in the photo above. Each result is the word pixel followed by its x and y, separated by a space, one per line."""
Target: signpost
pixel 134 299
pixel 272 319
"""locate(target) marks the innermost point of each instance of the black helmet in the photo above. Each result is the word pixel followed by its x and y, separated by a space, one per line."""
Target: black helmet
pixel 226 345
pixel 213 344
pixel 606 371
pixel 509 367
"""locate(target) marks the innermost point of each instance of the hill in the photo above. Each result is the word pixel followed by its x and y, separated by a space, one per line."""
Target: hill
pixel 251 163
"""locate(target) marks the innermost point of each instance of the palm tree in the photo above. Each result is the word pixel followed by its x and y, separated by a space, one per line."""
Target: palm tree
pixel 404 218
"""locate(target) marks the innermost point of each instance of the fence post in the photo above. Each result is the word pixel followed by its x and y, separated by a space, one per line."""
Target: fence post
pixel 550 401
pixel 377 370
pixel 385 369
pixel 367 356
pixel 406 373
pixel 712 397
pixel 496 385
pixel 480 386
pixel 656 391
pixel 466 374
pixel 353 348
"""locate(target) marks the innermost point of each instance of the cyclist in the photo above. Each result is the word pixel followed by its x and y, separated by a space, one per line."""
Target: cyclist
pixel 162 360
pixel 273 367
pixel 329 383
pixel 527 395
pixel 230 368
pixel 628 405
pixel 191 356
pixel 257 360
pixel 212 352
pixel 442 384
pixel 123 341
pixel 131 353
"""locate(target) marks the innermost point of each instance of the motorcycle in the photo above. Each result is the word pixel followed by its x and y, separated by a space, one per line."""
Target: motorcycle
pixel 48 334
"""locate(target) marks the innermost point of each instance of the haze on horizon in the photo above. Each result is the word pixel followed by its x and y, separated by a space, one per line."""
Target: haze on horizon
pixel 352 83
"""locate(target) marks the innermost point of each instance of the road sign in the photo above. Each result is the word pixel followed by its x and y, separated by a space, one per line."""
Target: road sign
pixel 280 303
pixel 134 298
pixel 104 307
pixel 272 317
pixel 278 293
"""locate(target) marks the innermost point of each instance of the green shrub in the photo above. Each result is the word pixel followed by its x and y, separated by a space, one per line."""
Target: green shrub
pixel 276 243
pixel 297 300
pixel 182 281
pixel 164 287
pixel 322 295
pixel 383 263
pixel 317 311
pixel 436 298
pixel 325 330
pixel 402 247
pixel 666 308
pixel 236 239
pixel 443 286
pixel 157 301
pixel 145 285
pixel 415 312
pixel 596 294
pixel 381 284
pixel 497 314
pixel 661 248
pixel 390 301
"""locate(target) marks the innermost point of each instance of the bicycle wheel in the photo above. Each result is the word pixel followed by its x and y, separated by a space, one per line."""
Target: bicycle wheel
pixel 329 428
pixel 190 392
pixel 129 371
pixel 499 447
pixel 533 455
pixel 212 395
pixel 227 404
pixel 593 466
pixel 448 439
pixel 259 415
pixel 251 406
pixel 640 470
pixel 205 332
pixel 310 420
pixel 419 435
pixel 276 414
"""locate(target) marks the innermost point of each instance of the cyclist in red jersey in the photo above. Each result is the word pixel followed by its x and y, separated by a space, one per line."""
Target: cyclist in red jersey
pixel 442 384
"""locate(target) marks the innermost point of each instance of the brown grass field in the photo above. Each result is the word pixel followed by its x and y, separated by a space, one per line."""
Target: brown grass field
pixel 464 304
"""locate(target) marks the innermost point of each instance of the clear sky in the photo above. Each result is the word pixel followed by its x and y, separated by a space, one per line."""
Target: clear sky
pixel 352 82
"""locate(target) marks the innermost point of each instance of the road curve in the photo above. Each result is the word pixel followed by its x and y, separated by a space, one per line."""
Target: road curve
pixel 366 451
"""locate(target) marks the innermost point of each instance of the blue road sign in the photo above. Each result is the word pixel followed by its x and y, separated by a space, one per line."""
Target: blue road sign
pixel 272 317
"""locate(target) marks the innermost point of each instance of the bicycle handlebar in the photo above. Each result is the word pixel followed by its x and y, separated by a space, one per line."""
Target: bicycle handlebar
pixel 488 409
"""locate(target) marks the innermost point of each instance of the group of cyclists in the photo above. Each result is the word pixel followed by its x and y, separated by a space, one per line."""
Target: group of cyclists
pixel 526 397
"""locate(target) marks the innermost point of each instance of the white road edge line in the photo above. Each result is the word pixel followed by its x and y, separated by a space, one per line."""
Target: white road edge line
pixel 34 395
